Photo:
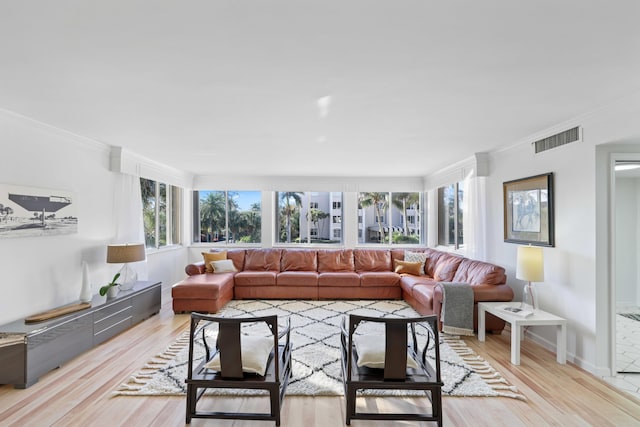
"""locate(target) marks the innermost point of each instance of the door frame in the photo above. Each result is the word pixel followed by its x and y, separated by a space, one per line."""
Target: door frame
pixel 614 157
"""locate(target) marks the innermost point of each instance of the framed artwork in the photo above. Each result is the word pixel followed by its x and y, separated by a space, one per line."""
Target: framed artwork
pixel 30 211
pixel 528 210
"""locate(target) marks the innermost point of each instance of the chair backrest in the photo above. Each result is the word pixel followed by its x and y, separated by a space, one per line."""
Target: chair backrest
pixel 228 342
pixel 397 331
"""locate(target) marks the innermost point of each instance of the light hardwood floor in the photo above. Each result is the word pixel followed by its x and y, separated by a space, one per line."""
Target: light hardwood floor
pixel 80 392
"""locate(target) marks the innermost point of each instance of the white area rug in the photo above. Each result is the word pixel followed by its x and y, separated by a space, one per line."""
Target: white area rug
pixel 315 329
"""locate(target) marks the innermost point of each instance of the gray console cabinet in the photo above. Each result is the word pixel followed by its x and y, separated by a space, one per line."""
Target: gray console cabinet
pixel 28 351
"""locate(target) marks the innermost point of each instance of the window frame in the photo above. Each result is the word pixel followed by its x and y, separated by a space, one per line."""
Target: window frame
pixel 172 231
pixel 227 231
pixel 458 215
pixel 310 198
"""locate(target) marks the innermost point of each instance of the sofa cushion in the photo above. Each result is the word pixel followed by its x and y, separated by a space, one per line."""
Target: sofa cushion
pixel 408 282
pixel 297 278
pixel 446 268
pixel 237 256
pixel 202 286
pixel 379 278
pixel 262 260
pixel 423 293
pixel 339 279
pixel 335 260
pixel 255 278
pixel 212 256
pixel 477 272
pixel 299 260
pixel 372 260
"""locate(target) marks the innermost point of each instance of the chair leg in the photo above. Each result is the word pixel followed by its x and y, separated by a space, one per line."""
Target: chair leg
pixel 191 392
pixel 275 404
pixel 350 397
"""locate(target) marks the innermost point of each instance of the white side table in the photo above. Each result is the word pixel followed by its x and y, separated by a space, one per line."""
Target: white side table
pixel 538 318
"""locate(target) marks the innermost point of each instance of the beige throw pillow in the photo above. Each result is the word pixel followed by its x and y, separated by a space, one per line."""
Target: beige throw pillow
pixel 404 267
pixel 420 257
pixel 212 256
pixel 223 266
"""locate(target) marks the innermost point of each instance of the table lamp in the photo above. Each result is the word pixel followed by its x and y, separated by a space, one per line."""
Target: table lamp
pixel 530 267
pixel 124 254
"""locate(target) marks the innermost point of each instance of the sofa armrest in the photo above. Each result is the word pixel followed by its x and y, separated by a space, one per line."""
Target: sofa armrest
pixel 481 293
pixel 484 292
pixel 195 268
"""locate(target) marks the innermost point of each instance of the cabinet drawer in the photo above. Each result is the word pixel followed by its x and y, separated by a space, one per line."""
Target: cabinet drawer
pixel 113 327
pixel 111 320
pixel 111 309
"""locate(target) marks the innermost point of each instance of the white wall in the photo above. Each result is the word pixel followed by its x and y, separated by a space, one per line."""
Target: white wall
pixel 41 273
pixel 576 282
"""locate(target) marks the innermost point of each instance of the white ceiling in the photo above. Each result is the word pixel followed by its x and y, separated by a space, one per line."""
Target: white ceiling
pixel 231 87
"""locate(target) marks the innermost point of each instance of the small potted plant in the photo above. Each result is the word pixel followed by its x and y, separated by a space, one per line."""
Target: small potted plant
pixel 110 288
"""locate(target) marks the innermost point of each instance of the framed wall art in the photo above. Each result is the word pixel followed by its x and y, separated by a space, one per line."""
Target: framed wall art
pixel 30 211
pixel 528 210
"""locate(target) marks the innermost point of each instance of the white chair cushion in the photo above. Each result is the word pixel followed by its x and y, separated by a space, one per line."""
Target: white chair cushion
pixel 255 354
pixel 371 350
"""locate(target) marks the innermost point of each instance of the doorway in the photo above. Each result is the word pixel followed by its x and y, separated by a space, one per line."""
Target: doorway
pixel 627 273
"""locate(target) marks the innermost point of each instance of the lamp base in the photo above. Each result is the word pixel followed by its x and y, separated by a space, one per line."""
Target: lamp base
pixel 529 301
pixel 128 278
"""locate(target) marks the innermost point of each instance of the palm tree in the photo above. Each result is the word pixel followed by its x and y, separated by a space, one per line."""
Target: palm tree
pixel 213 212
pixel 290 203
pixel 402 201
pixel 380 203
pixel 315 216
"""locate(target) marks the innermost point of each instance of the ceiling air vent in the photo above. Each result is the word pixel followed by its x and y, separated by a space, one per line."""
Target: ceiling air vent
pixel 553 141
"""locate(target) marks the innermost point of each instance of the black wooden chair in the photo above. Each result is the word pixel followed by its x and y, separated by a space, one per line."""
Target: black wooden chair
pixel 224 366
pixel 393 365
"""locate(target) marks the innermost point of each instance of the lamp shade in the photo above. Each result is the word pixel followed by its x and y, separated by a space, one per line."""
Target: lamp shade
pixel 124 253
pixel 530 264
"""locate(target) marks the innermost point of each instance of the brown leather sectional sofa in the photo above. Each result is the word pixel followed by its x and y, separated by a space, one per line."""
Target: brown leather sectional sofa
pixel 360 273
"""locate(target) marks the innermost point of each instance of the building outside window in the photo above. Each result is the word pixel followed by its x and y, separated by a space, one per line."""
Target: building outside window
pixel 227 217
pixel 450 216
pixel 298 213
pixel 337 205
pixel 385 218
pixel 161 213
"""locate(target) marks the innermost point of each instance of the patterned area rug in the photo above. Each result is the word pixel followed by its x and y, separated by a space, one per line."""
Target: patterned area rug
pixel 633 316
pixel 315 329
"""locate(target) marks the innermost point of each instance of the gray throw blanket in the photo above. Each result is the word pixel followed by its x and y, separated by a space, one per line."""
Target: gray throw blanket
pixel 457 308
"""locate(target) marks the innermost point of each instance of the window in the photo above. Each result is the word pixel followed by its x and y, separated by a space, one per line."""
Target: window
pixel 337 233
pixel 389 218
pixel 337 219
pixel 337 205
pixel 450 216
pixel 227 217
pixel 161 213
pixel 296 217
